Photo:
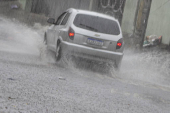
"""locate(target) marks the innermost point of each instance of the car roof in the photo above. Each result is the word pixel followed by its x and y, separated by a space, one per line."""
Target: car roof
pixel 78 11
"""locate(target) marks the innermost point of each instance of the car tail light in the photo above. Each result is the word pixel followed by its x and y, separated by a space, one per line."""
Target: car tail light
pixel 71 33
pixel 119 43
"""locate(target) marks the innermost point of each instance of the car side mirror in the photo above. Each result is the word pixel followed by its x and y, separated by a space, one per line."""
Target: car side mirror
pixel 51 20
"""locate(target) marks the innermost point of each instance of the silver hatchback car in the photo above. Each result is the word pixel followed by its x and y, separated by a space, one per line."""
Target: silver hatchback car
pixel 86 34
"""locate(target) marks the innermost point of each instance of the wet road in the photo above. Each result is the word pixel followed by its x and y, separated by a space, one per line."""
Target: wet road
pixel 31 82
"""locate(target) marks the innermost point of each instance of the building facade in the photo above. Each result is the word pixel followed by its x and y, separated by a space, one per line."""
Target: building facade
pixel 53 8
pixel 124 10
pixel 158 22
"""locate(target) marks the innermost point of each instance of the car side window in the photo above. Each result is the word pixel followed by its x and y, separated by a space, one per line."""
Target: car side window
pixel 60 18
pixel 65 19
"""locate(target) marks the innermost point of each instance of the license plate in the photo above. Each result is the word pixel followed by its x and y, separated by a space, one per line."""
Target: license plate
pixel 94 42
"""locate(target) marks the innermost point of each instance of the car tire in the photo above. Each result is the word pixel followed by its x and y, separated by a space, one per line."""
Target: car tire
pixel 45 39
pixel 58 52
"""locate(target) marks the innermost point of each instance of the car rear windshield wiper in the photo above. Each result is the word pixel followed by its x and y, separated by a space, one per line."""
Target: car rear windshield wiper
pixel 90 28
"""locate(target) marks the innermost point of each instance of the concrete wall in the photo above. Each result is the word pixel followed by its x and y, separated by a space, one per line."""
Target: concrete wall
pixel 159 20
pixel 23 3
pixel 129 16
pixel 26 5
pixel 55 7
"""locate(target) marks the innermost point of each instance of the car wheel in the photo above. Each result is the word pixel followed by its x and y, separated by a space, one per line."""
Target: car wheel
pixel 114 66
pixel 45 39
pixel 58 52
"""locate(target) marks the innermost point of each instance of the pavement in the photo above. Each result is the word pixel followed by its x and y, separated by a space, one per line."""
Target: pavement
pixel 32 82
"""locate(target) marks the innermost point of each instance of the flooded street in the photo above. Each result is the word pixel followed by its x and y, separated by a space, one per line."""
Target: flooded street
pixel 31 81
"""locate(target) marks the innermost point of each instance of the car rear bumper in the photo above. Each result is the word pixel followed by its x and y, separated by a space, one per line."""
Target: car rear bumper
pixel 91 53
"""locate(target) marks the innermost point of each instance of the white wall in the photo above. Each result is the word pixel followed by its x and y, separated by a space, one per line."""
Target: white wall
pixel 23 3
pixel 129 16
pixel 159 20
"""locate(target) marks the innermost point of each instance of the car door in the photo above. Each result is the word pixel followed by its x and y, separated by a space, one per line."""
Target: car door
pixel 50 35
pixel 63 32
pixel 56 28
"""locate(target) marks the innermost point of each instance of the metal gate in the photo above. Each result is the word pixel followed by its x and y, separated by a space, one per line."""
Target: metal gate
pixel 112 7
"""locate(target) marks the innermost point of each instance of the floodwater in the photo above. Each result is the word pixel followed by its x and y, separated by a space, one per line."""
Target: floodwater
pixel 151 66
pixel 31 81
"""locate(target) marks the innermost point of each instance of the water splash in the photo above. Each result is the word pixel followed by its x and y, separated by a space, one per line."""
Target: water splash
pixel 150 66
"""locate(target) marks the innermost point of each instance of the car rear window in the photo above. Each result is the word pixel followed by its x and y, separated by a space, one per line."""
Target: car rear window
pixel 97 24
